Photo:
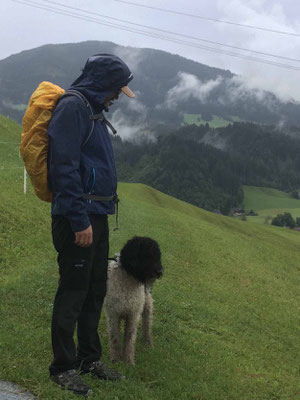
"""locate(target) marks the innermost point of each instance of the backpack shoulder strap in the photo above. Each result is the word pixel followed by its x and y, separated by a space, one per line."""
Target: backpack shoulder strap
pixel 93 117
pixel 86 102
pixel 102 118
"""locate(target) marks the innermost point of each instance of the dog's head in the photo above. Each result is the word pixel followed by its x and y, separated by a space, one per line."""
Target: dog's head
pixel 141 258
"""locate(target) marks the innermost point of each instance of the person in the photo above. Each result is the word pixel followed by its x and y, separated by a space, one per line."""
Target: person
pixel 83 182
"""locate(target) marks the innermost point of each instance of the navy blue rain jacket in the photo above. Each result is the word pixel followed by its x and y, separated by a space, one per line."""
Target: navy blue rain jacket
pixel 75 168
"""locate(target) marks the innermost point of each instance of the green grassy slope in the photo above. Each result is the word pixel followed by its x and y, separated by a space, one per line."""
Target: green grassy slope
pixel 226 322
pixel 216 121
pixel 267 201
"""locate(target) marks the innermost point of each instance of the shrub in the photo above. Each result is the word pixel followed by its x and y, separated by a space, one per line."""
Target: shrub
pixel 285 219
pixel 252 213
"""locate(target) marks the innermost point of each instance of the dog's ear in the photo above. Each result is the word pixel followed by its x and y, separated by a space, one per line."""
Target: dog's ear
pixel 131 264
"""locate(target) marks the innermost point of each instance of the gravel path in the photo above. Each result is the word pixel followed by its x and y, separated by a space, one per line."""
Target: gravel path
pixel 11 391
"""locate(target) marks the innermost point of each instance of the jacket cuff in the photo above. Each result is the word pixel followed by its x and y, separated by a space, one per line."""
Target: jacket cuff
pixel 79 222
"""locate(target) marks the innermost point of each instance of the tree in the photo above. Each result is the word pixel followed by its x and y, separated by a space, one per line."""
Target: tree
pixel 278 220
pixel 289 220
pixel 285 219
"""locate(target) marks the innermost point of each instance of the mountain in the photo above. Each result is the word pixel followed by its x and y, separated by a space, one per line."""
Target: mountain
pixel 169 88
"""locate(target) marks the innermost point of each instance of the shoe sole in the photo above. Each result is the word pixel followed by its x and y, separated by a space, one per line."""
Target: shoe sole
pixel 103 378
pixel 77 392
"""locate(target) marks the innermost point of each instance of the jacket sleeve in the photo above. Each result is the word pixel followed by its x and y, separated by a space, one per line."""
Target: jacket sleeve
pixel 67 130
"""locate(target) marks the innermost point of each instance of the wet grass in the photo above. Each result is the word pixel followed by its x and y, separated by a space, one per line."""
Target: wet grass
pixel 226 320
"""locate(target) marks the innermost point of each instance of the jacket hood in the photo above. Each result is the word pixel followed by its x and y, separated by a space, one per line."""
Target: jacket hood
pixel 102 75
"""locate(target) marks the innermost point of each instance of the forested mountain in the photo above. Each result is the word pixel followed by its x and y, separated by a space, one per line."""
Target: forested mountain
pixel 207 167
pixel 168 86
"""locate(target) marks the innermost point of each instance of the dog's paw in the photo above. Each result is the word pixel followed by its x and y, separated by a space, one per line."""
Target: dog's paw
pixel 129 358
pixel 129 361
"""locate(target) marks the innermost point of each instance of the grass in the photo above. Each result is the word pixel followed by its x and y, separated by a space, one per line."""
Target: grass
pixel 226 321
pixel 269 202
pixel 216 122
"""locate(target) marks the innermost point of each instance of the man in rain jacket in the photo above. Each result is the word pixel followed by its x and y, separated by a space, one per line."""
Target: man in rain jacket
pixel 83 182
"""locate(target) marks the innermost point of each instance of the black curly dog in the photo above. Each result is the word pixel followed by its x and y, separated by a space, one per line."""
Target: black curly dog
pixel 128 297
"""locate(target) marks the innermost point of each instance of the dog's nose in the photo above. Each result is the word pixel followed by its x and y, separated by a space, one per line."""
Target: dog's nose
pixel 159 272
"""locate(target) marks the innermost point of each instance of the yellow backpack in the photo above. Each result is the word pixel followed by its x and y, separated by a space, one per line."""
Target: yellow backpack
pixel 34 141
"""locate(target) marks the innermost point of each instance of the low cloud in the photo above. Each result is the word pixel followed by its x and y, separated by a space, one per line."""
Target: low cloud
pixel 124 129
pixel 190 87
pixel 238 90
pixel 132 57
pixel 130 120
pixel 233 90
pixel 212 138
pixel 135 105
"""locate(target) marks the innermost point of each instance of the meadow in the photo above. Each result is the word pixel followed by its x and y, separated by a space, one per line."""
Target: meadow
pixel 215 122
pixel 269 202
pixel 226 319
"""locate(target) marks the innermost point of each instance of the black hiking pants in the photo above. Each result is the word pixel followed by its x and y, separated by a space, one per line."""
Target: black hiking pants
pixel 80 294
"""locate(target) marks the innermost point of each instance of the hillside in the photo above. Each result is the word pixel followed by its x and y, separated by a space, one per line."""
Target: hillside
pixel 170 88
pixel 226 323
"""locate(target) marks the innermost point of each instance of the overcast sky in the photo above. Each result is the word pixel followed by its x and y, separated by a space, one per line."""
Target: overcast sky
pixel 24 27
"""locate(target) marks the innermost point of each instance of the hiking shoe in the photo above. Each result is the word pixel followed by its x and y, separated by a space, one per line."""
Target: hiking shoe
pixel 99 370
pixel 70 380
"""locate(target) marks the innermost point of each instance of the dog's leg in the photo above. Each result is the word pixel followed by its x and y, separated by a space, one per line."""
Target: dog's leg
pixel 114 333
pixel 131 325
pixel 147 319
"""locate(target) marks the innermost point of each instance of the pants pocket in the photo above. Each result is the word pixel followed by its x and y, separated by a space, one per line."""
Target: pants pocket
pixel 62 234
pixel 74 273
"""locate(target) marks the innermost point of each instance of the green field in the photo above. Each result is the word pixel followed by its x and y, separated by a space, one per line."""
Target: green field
pixel 216 122
pixel 269 202
pixel 226 320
